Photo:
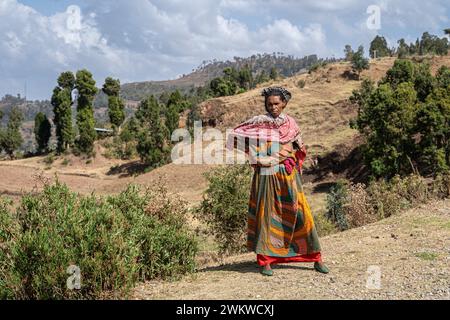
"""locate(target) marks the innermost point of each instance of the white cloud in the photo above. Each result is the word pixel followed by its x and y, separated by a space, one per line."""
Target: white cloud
pixel 139 40
pixel 159 39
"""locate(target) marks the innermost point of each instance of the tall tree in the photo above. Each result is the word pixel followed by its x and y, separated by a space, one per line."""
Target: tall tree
pixel 116 105
pixel 403 48
pixel 12 138
pixel 379 48
pixel 152 144
pixel 42 131
pixel 172 118
pixel 359 63
pixel 85 85
pixel 348 52
pixel 173 108
pixel 246 78
pixel 273 73
pixel 62 109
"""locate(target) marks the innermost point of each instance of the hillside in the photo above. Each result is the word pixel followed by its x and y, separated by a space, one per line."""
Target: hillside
pixel 410 249
pixel 285 65
pixel 321 109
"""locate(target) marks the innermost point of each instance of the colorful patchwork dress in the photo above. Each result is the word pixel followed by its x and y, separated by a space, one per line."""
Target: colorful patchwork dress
pixel 280 223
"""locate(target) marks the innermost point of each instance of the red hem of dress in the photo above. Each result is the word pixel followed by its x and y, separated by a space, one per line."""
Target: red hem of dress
pixel 263 260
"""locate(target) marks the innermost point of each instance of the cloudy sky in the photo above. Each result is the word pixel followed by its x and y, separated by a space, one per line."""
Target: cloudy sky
pixel 136 40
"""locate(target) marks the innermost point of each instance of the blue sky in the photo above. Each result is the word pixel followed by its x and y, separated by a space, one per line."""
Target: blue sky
pixel 138 40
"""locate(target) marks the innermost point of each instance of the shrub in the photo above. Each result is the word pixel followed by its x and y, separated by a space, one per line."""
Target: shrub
pixel 412 188
pixel 324 226
pixel 383 200
pixel 225 205
pixel 121 147
pixel 49 159
pixel 115 241
pixel 359 210
pixel 315 67
pixel 337 198
pixel 8 231
pixel 358 205
pixel 301 83
pixel 440 186
pixel 389 198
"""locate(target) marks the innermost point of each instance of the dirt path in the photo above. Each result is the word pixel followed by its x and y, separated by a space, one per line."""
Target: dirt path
pixel 412 251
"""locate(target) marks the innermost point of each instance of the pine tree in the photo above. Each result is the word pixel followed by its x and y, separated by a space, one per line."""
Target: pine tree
pixel 152 134
pixel 403 49
pixel 348 52
pixel 85 85
pixel 62 109
pixel 42 131
pixel 273 73
pixel 116 105
pixel 12 137
pixel 174 106
pixel 379 48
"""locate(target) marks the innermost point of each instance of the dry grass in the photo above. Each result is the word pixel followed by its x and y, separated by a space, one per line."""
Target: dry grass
pixel 321 109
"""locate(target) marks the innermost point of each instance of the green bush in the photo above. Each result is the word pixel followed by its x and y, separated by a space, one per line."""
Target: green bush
pixel 337 198
pixel 225 205
pixel 121 148
pixel 115 241
pixel 391 197
pixel 8 231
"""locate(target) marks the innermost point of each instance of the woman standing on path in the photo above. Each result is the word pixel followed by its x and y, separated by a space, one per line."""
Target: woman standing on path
pixel 280 224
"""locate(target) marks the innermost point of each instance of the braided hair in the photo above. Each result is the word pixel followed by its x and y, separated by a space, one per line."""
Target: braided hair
pixel 277 91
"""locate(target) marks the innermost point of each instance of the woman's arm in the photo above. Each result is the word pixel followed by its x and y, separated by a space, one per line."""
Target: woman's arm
pixel 261 156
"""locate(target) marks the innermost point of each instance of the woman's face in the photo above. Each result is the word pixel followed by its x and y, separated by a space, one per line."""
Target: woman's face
pixel 275 105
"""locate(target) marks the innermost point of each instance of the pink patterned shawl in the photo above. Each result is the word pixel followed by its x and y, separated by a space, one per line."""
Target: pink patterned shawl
pixel 282 129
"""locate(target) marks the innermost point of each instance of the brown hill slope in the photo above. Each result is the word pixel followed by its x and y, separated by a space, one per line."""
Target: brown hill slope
pixel 321 109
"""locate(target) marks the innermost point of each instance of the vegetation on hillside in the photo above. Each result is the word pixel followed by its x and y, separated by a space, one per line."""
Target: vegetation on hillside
pixel 224 206
pixel 260 66
pixel 351 205
pixel 113 242
pixel 405 120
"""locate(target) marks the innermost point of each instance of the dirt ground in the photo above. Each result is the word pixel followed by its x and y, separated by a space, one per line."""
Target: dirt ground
pixel 402 257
